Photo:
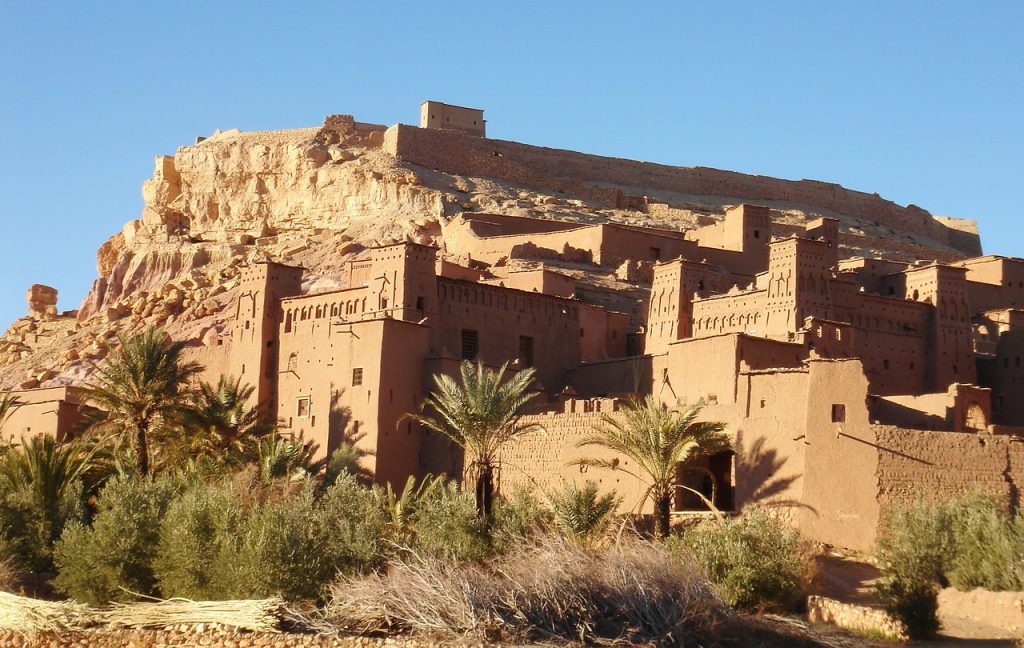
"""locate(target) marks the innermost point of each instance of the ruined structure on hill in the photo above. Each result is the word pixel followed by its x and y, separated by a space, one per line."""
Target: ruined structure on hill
pixel 860 352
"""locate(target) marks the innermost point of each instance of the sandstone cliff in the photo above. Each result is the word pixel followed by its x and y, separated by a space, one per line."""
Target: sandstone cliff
pixel 318 196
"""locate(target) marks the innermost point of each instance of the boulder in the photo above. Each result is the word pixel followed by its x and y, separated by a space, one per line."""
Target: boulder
pixel 42 301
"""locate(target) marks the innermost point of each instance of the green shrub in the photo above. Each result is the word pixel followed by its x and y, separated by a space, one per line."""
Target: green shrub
pixel 518 518
pixel 967 543
pixel 113 558
pixel 917 544
pixel 354 524
pixel 198 539
pixel 295 546
pixel 757 561
pixel 914 602
pixel 447 526
pixel 29 531
pixel 988 545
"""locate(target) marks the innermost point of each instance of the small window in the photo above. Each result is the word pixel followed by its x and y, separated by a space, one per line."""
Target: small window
pixel 302 407
pixel 357 376
pixel 757 234
pixel 525 351
pixel 838 413
pixel 581 332
pixel 655 254
pixel 470 344
pixel 420 303
pixel 885 364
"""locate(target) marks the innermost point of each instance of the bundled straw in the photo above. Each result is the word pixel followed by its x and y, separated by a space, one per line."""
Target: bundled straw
pixel 30 616
pixel 257 616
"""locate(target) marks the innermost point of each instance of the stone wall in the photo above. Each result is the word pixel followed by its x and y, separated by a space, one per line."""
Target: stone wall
pixel 857 618
pixel 559 170
pixel 944 465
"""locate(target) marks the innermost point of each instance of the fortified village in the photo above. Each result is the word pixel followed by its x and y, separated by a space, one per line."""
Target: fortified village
pixel 860 352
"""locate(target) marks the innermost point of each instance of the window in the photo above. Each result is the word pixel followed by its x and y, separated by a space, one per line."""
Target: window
pixel 757 234
pixel 838 413
pixel 470 344
pixel 357 376
pixel 525 351
pixel 419 303
pixel 302 407
pixel 655 254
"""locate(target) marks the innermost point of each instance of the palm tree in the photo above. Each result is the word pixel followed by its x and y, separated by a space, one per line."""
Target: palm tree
pixel 8 403
pixel 53 479
pixel 142 389
pixel 581 513
pixel 480 415
pixel 221 424
pixel 278 457
pixel 657 440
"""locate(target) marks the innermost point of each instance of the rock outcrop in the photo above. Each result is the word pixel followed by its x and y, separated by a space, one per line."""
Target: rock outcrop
pixel 42 301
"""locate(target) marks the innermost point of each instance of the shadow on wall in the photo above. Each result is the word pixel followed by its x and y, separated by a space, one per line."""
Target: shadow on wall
pixel 757 476
pixel 343 432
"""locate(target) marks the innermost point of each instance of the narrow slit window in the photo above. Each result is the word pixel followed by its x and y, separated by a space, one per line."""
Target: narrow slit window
pixel 470 344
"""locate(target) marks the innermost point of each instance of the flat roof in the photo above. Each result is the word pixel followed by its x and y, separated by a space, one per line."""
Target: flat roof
pixel 434 101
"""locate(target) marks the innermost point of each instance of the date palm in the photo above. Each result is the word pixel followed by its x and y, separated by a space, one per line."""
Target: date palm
pixel 42 486
pixel 480 414
pixel 142 389
pixel 657 441
pixel 8 403
pixel 582 514
pixel 221 424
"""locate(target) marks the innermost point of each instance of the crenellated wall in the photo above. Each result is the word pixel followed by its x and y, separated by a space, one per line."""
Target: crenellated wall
pixel 561 170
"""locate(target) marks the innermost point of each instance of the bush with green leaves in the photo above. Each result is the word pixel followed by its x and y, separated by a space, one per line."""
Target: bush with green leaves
pixel 757 561
pixel 519 517
pixel 447 526
pixel 113 558
pixel 293 547
pixel 969 542
pixel 198 538
pixel 988 545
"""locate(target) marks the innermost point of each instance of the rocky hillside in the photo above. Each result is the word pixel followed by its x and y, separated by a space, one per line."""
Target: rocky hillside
pixel 315 197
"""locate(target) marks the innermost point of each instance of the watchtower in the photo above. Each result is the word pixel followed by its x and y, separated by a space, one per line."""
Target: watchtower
pixel 254 327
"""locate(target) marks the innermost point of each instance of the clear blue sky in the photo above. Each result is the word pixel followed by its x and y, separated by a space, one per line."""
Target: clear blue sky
pixel 921 102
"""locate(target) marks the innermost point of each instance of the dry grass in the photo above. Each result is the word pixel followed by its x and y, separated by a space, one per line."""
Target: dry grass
pixel 257 615
pixel 634 591
pixel 31 616
pixel 8 576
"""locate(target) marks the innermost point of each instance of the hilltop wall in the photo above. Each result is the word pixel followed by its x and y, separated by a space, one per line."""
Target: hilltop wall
pixel 561 170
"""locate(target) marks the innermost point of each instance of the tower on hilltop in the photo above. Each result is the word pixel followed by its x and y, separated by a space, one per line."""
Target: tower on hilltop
pixel 435 114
